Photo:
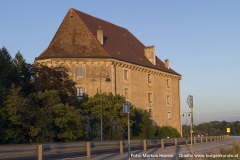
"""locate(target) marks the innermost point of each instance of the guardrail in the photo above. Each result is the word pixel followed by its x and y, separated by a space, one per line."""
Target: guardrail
pixel 86 148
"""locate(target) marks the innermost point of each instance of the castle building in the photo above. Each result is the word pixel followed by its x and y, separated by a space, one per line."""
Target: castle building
pixel 92 49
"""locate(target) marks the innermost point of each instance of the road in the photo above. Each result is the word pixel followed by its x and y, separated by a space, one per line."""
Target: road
pixel 156 153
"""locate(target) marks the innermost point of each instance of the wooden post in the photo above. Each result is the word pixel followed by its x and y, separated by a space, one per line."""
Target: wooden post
pixel 175 141
pixel 211 139
pixel 206 139
pixel 162 144
pixel 121 147
pixel 194 140
pixel 144 145
pixel 201 140
pixel 40 152
pixel 88 147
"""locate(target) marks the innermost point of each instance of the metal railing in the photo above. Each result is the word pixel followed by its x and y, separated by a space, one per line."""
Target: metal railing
pixel 96 147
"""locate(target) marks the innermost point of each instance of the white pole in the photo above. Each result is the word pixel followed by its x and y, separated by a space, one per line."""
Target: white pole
pixel 191 132
pixel 129 133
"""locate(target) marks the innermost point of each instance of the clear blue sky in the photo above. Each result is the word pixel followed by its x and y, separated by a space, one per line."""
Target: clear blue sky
pixel 200 38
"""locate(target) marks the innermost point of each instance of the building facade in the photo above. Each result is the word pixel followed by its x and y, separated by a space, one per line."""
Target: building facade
pixel 93 49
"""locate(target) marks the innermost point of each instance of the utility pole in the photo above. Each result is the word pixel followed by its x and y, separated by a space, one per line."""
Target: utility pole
pixel 190 104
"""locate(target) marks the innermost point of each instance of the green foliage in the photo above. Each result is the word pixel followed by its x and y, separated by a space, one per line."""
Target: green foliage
pixel 41 117
pixel 114 121
pixel 214 128
pixel 54 78
pixel 167 131
pixel 112 114
pixel 6 72
pixel 54 121
pixel 112 134
pixel 142 127
pixel 12 113
pixel 37 108
pixel 68 122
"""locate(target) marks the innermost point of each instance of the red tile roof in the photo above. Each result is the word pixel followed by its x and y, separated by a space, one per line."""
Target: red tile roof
pixel 119 44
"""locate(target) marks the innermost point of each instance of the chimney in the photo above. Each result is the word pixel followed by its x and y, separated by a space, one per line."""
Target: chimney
pixel 167 63
pixel 100 36
pixel 149 53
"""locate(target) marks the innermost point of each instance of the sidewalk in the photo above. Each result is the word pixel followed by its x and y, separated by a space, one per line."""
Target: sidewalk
pixel 164 154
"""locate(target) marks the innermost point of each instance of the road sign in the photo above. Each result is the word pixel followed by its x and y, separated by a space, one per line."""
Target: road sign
pixel 126 107
pixel 190 101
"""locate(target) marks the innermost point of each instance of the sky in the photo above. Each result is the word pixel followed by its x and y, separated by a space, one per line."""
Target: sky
pixel 200 38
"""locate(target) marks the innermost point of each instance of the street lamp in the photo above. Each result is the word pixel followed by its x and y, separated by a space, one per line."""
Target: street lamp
pixel 107 80
pixel 126 109
pixel 186 114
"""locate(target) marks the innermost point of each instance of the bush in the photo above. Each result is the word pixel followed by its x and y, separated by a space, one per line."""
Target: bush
pixel 167 131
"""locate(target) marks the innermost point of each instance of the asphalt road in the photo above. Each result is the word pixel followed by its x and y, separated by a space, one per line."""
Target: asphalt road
pixel 138 154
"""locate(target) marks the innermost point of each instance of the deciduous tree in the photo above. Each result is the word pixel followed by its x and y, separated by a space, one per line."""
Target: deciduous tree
pixel 54 78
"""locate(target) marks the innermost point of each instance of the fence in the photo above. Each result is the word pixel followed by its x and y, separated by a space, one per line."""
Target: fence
pixel 86 148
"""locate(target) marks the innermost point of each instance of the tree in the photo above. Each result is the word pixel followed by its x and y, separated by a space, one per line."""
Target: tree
pixel 6 72
pixel 68 123
pixel 112 115
pixel 24 74
pixel 13 114
pixel 167 131
pixel 142 127
pixel 51 120
pixel 114 122
pixel 19 61
pixel 54 78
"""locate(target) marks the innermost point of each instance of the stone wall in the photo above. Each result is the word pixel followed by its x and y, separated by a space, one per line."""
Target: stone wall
pixel 163 87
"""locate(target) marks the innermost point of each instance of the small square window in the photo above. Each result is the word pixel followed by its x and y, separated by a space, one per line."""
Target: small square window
pixel 126 94
pixel 150 98
pixel 79 71
pixel 126 74
pixel 149 78
pixel 169 115
pixel 80 93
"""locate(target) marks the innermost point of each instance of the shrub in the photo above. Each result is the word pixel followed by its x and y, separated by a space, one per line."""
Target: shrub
pixel 167 131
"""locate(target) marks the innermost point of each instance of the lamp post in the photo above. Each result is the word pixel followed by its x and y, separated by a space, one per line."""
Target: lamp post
pixel 186 114
pixel 107 80
pixel 126 109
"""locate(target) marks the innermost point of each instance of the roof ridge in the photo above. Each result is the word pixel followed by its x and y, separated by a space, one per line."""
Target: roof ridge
pixel 75 10
pixel 90 31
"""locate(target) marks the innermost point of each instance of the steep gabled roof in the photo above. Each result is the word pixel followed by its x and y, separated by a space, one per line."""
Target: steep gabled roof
pixel 77 38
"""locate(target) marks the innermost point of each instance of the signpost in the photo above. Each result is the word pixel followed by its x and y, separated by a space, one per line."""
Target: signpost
pixel 228 130
pixel 190 104
pixel 126 109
